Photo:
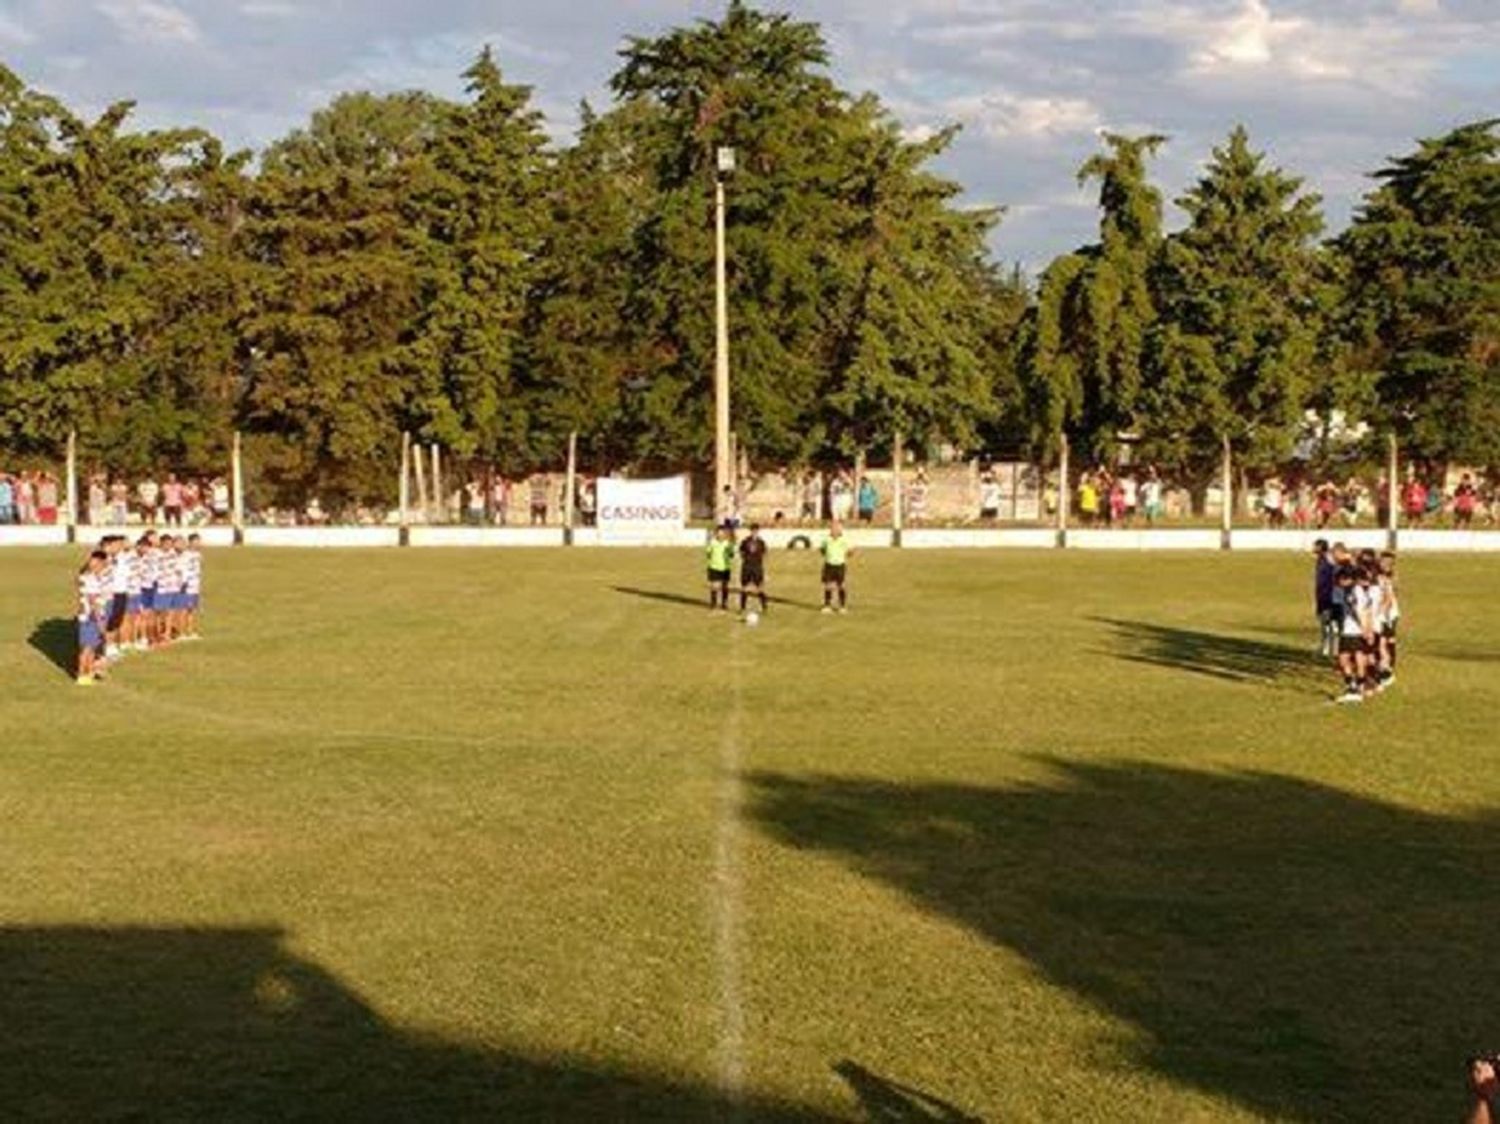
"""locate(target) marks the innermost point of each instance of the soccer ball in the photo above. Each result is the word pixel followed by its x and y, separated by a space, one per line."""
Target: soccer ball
pixel 752 618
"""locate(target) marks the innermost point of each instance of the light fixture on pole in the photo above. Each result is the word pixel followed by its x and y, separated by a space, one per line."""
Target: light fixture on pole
pixel 723 469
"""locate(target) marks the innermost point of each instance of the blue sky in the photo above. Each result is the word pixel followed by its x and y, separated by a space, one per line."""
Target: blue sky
pixel 1330 87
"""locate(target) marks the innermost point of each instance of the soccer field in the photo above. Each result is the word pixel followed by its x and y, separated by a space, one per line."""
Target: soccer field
pixel 460 835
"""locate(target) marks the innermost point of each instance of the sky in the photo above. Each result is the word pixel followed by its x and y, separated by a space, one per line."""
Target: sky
pixel 1330 88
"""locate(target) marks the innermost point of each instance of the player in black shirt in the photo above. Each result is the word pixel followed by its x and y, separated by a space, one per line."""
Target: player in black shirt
pixel 753 568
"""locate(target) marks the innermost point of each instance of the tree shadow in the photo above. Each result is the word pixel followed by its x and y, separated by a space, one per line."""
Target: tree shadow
pixel 57 639
pixel 702 602
pixel 1235 659
pixel 886 1100
pixel 226 1024
pixel 1310 953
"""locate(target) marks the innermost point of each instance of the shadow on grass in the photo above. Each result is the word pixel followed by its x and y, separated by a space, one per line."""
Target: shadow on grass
pixel 702 602
pixel 1306 952
pixel 57 639
pixel 1221 656
pixel 226 1024
pixel 886 1100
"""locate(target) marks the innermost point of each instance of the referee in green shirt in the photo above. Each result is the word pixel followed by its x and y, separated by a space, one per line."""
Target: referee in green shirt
pixel 720 564
pixel 835 550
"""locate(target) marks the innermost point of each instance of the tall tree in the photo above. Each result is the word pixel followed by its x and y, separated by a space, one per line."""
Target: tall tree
pixel 1423 268
pixel 1095 307
pixel 1240 297
pixel 344 272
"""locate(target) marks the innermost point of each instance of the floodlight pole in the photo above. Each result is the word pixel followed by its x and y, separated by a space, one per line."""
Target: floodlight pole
pixel 72 485
pixel 723 466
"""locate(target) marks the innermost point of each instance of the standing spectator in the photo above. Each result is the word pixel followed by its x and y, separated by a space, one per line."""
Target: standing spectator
pixel 192 503
pixel 869 500
pixel 25 498
pixel 1088 499
pixel 7 499
pixel 148 496
pixel 1353 497
pixel 916 497
pixel 812 497
pixel 46 498
pixel 119 503
pixel 1151 495
pixel 1326 500
pixel 473 503
pixel 219 504
pixel 171 500
pixel 1116 502
pixel 537 487
pixel 315 515
pixel 98 501
pixel 1273 503
pixel 500 500
pixel 588 502
pixel 1465 499
pixel 989 496
pixel 1131 492
pixel 841 497
pixel 1414 500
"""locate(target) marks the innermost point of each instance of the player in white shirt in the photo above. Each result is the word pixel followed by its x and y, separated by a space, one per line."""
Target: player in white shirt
pixel 117 579
pixel 93 596
pixel 1390 618
pixel 170 573
pixel 1354 605
pixel 192 559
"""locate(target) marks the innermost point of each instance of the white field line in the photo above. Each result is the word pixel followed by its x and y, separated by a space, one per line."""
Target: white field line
pixel 728 893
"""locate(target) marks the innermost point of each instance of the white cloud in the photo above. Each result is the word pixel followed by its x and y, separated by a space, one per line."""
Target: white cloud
pixel 151 21
pixel 270 9
pixel 12 31
pixel 1001 115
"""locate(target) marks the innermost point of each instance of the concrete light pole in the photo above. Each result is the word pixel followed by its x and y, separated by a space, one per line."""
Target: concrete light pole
pixel 723 464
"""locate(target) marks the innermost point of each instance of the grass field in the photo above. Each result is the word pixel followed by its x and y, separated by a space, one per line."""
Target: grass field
pixel 462 835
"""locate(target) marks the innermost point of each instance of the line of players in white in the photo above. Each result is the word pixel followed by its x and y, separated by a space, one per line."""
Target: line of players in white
pixel 135 597
pixel 1359 611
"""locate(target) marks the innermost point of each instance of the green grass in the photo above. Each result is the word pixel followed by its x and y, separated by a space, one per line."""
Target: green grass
pixel 461 835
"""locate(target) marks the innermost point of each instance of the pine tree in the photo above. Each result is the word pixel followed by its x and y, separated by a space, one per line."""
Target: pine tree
pixel 1423 274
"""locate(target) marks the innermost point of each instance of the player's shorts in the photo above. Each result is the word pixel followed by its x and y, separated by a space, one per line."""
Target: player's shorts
pixel 753 575
pixel 133 604
pixel 833 575
pixel 89 635
pixel 117 608
pixel 168 602
pixel 718 577
pixel 989 513
pixel 1388 629
pixel 190 602
pixel 1351 645
pixel 148 598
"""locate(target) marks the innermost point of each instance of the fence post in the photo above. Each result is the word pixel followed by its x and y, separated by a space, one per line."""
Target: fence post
pixel 1393 495
pixel 570 489
pixel 237 490
pixel 1226 517
pixel 898 491
pixel 421 474
pixel 439 505
pixel 1064 490
pixel 404 491
pixel 72 485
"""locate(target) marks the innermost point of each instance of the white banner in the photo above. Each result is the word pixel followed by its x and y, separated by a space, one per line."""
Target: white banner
pixel 642 511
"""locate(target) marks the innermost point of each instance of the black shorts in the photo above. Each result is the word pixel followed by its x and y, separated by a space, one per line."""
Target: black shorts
pixel 117 607
pixel 753 575
pixel 1388 630
pixel 718 577
pixel 1352 645
pixel 833 575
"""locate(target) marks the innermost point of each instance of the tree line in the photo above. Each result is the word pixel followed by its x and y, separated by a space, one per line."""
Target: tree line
pixel 411 263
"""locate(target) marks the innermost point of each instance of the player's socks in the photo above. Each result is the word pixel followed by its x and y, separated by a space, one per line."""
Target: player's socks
pixel 765 603
pixel 843 598
pixel 744 600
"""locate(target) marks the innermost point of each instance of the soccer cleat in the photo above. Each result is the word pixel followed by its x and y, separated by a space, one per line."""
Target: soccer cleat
pixel 843 609
pixel 85 681
pixel 1350 697
pixel 827 609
